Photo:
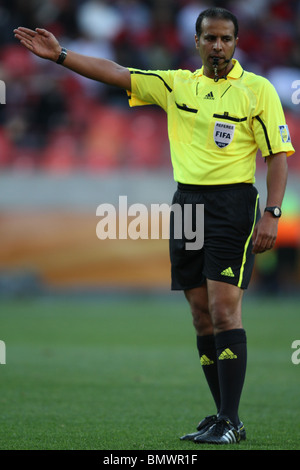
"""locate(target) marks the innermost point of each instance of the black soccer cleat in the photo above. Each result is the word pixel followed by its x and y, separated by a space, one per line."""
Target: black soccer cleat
pixel 202 427
pixel 242 431
pixel 222 432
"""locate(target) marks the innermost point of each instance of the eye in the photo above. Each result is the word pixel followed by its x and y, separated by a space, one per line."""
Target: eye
pixel 210 38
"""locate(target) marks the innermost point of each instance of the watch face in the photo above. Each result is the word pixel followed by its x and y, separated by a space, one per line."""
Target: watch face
pixel 277 212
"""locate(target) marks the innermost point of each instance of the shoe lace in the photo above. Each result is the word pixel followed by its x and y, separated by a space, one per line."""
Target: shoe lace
pixel 220 425
pixel 211 419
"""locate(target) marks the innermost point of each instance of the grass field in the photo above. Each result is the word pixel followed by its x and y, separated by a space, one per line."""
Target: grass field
pixel 123 374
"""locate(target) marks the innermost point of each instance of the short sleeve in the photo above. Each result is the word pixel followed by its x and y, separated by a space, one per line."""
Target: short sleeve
pixel 150 87
pixel 269 125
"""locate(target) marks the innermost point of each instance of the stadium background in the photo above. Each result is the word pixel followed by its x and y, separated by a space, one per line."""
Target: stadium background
pixel 97 348
pixel 68 144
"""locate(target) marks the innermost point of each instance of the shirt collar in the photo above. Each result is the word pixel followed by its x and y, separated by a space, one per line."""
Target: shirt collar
pixel 235 72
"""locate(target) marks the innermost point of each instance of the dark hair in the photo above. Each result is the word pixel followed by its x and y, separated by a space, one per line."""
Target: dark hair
pixel 220 13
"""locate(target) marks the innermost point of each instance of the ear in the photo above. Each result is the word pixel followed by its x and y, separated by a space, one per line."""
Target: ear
pixel 197 41
pixel 236 41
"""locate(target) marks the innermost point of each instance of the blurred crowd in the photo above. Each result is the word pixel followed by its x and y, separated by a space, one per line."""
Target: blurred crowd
pixel 58 121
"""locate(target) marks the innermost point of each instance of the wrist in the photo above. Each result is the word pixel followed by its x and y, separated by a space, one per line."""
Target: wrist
pixel 273 211
pixel 60 55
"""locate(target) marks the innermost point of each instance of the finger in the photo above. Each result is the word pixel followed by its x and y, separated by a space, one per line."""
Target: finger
pixel 27 44
pixel 257 249
pixel 255 243
pixel 263 244
pixel 42 32
pixel 27 31
pixel 24 39
pixel 270 244
pixel 23 35
pixel 259 245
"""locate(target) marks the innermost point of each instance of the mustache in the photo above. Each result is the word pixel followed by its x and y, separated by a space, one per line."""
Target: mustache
pixel 216 60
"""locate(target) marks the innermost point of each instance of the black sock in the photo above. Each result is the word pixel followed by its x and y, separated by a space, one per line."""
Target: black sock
pixel 231 348
pixel 208 358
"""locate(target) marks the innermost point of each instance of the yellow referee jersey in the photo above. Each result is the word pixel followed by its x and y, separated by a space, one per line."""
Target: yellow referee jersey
pixel 215 128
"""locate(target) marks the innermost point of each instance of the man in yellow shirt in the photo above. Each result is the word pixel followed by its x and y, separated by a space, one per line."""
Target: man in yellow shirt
pixel 218 117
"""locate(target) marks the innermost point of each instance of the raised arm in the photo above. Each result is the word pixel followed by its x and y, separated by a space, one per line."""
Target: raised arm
pixel 44 44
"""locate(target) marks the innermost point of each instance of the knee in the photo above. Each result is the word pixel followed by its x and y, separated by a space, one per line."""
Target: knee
pixel 224 317
pixel 201 321
pixel 201 315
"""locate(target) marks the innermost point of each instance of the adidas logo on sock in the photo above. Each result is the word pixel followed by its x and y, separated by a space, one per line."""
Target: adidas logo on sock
pixel 227 272
pixel 209 96
pixel 227 354
pixel 205 361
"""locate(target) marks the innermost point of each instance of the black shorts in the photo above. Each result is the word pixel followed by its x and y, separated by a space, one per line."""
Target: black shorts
pixel 230 214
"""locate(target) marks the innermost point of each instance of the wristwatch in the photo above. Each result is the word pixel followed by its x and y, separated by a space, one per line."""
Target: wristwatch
pixel 62 55
pixel 275 211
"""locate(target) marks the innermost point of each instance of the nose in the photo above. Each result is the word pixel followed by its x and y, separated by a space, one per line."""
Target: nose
pixel 218 45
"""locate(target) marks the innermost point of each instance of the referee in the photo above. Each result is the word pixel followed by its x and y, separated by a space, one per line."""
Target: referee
pixel 218 117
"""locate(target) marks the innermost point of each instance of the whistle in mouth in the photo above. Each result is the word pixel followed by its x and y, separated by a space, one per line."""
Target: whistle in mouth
pixel 215 67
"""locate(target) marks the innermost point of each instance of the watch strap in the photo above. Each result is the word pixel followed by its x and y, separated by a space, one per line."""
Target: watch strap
pixel 62 55
pixel 275 210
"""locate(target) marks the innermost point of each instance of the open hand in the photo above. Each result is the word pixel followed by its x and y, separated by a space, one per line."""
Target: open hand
pixel 40 41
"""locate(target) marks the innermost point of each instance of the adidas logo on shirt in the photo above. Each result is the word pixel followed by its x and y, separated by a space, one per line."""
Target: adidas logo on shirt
pixel 209 96
pixel 227 272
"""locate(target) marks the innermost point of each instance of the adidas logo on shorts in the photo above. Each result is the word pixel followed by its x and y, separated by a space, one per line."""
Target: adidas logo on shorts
pixel 227 272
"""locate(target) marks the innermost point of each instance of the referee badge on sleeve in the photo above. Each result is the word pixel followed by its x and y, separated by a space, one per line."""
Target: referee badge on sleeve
pixel 285 134
pixel 223 133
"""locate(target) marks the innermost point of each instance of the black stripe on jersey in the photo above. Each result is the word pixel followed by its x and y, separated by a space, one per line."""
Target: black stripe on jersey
pixel 229 118
pixel 226 91
pixel 154 75
pixel 266 134
pixel 184 107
